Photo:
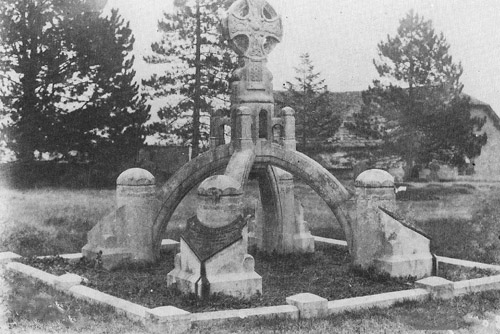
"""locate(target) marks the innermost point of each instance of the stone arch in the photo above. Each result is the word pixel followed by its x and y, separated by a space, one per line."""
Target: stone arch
pixel 315 175
pixel 182 182
pixel 209 163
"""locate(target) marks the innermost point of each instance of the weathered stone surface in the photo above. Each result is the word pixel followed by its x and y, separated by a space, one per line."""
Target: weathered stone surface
pixel 439 287
pixel 280 225
pixel 309 305
pixel 168 319
pixel 230 271
pixel 169 245
pixel 379 300
pixel 219 185
pixel 135 177
pixel 477 285
pixel 380 238
pixel 374 178
pixel 271 312
pixel 206 241
pixel 130 310
pixel 6 257
pixel 127 233
pixel 66 281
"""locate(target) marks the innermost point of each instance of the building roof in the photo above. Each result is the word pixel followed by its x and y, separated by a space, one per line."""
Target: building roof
pixel 487 109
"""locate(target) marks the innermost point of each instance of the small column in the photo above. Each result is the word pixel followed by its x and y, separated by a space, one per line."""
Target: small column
pixel 288 116
pixel 380 238
pixel 374 189
pixel 127 233
pixel 214 129
pixel 244 129
pixel 279 221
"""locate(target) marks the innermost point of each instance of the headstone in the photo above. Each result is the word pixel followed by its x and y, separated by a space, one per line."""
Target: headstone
pixel 213 253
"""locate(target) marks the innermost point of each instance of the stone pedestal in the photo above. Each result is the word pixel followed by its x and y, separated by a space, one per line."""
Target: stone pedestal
pixel 127 233
pixel 279 219
pixel 213 252
pixel 380 238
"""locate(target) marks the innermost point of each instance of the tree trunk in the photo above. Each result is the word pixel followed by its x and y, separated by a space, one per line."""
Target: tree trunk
pixel 197 89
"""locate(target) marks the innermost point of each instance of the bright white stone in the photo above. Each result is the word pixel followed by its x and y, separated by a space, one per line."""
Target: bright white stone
pixel 309 305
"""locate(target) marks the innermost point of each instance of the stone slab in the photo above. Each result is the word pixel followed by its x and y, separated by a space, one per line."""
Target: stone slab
pixel 184 281
pixel 66 281
pixel 380 300
pixel 130 310
pixel 240 285
pixel 477 285
pixel 309 305
pixel 438 287
pixel 465 263
pixel 328 241
pixel 418 265
pixel 38 274
pixel 6 257
pixel 271 312
pixel 170 245
pixel 168 319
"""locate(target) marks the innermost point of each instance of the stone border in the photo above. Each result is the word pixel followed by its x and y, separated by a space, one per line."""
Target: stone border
pixel 301 306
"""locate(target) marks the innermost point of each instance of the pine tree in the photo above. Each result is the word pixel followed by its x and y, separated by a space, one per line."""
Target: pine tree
pixel 419 88
pixel 198 66
pixel 308 96
pixel 67 80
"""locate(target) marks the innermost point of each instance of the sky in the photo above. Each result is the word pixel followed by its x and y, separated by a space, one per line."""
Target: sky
pixel 341 37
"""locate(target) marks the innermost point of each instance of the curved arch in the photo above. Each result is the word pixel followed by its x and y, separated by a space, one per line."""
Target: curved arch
pixel 315 175
pixel 296 163
pixel 182 182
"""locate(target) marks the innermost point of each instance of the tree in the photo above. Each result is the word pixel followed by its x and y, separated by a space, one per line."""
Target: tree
pixel 309 98
pixel 419 96
pixel 199 64
pixel 67 82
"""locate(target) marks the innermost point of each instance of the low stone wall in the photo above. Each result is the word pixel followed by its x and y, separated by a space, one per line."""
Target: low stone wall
pixel 301 306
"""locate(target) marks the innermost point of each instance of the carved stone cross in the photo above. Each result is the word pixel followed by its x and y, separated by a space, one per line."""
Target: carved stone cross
pixel 253 28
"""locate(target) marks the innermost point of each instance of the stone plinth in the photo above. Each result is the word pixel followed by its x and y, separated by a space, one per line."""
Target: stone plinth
pixel 309 305
pixel 168 319
pixel 213 251
pixel 127 234
pixel 381 239
pixel 439 287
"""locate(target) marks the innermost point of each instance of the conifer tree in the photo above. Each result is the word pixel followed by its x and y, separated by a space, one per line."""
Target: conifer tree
pixel 420 95
pixel 308 96
pixel 67 82
pixel 198 65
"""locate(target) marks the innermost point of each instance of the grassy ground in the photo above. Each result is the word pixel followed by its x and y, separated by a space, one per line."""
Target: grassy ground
pixel 49 221
pixel 39 309
pixel 326 273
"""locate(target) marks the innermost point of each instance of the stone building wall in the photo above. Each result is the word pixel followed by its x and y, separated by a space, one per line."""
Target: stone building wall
pixel 487 165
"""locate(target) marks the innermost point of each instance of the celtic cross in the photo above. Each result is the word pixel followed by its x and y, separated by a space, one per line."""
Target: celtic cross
pixel 253 29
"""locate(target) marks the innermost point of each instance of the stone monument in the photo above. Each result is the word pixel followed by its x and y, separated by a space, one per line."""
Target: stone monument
pixel 213 249
pixel 127 233
pixel 213 252
pixel 381 239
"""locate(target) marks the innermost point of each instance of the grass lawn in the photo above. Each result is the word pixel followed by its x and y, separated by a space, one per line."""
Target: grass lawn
pixel 326 273
pixel 54 221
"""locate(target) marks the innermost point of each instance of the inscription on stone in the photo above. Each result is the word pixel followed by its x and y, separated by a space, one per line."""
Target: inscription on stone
pixel 206 241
